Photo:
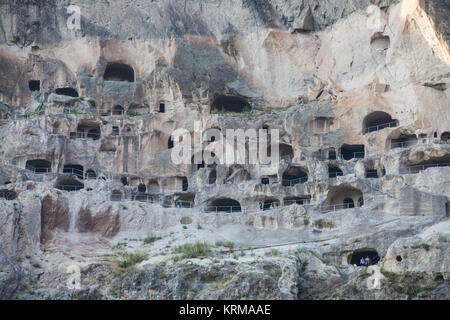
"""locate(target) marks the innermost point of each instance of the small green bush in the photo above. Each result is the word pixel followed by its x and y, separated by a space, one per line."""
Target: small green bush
pixel 150 238
pixel 194 250
pixel 130 259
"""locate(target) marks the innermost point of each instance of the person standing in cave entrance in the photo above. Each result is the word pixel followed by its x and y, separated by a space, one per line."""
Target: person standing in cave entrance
pixel 362 262
pixel 367 261
pixel 260 206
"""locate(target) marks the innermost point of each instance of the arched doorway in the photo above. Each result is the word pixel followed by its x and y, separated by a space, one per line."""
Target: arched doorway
pixel 348 203
pixel 38 166
pixel 355 257
pixel 71 92
pixel 224 205
pixel 293 176
pixel 224 103
pixel 378 120
pixel 118 72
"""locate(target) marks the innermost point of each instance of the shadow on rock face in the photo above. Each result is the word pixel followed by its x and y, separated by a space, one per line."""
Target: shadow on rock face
pixel 54 214
pixel 106 223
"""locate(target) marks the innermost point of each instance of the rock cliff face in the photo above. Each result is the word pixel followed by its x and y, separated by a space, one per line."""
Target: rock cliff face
pixel 355 95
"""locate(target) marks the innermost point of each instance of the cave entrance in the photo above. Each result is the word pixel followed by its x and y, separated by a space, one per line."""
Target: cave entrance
pixel 404 141
pixel 224 205
pixel 355 257
pixel 8 194
pixel 88 129
pixel 224 103
pixel 286 152
pixel 333 172
pixel 445 137
pixel 68 184
pixel 348 203
pixel 298 200
pixel 293 176
pixel 38 166
pixel 116 195
pixel 351 151
pixel 34 85
pixel 162 107
pixel 90 174
pixel 118 111
pixel 184 184
pixel 71 92
pixel 212 177
pixel 185 200
pixel 371 173
pixel 332 154
pixel 378 120
pixel 74 169
pixel 436 162
pixel 271 204
pixel 142 188
pixel 118 72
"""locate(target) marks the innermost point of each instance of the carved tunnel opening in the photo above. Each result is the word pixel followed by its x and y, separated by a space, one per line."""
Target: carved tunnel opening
pixel 378 120
pixel 445 137
pixel 271 204
pixel 8 194
pixel 38 166
pixel 71 92
pixel 293 176
pixel 224 205
pixel 118 110
pixel 34 85
pixel 343 197
pixel 88 129
pixel 68 184
pixel 118 72
pixel 352 151
pixel 298 200
pixel 380 42
pixel 355 257
pixel 185 184
pixel 225 103
pixel 74 169
pixel 334 172
pixel 403 141
pixel 212 177
pixel 90 174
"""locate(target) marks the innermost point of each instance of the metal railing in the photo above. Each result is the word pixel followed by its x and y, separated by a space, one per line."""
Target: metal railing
pixel 84 135
pixel 184 204
pixel 39 170
pixel 380 126
pixel 335 174
pixel 292 182
pixel 68 187
pixel 421 167
pixel 356 155
pixel 290 202
pixel 73 171
pixel 371 174
pixel 403 144
pixel 224 209
pixel 336 207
